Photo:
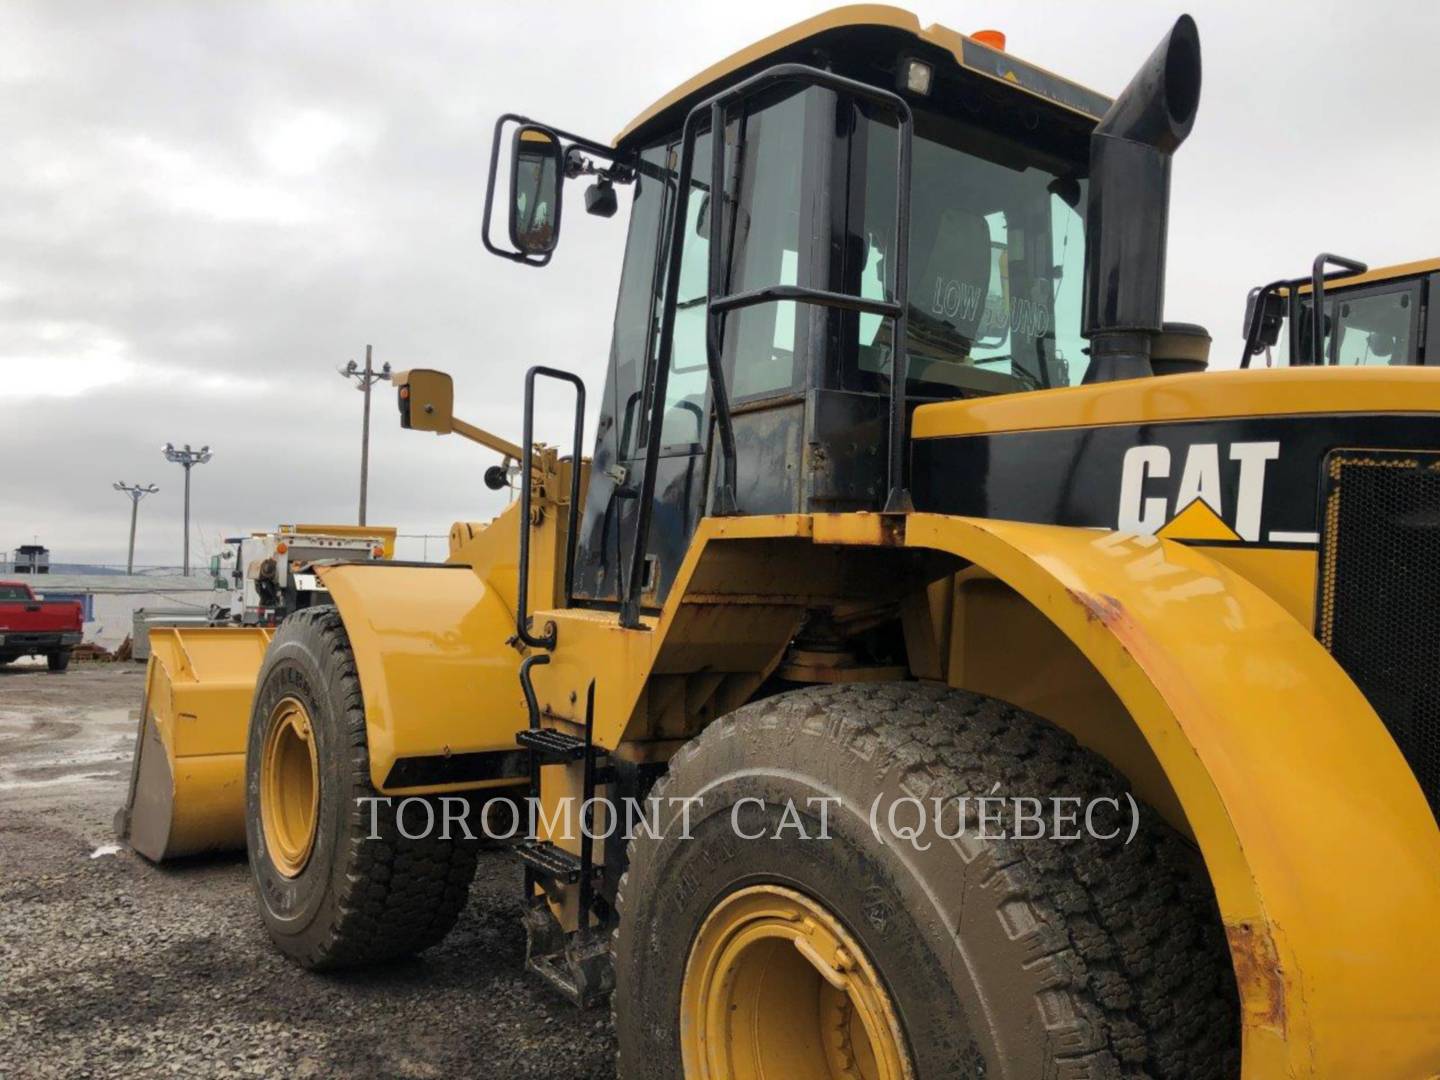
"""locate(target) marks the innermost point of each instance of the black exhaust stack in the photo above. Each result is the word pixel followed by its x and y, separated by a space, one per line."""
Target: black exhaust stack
pixel 1129 206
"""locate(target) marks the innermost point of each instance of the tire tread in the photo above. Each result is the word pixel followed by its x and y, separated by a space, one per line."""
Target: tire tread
pixel 1138 982
pixel 400 896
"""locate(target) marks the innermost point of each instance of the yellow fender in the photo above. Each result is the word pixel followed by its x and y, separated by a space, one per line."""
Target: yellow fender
pixel 187 777
pixel 441 687
pixel 1324 855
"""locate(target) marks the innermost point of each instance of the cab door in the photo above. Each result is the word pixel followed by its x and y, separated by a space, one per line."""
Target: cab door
pixel 762 210
pixel 763 358
pixel 607 528
pixel 609 499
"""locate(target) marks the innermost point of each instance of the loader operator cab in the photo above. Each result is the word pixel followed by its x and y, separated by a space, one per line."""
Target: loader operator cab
pixel 1370 317
pixel 810 237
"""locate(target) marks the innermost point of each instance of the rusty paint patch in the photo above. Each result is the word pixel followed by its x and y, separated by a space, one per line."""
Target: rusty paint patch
pixel 892 530
pixel 1258 975
pixel 1111 613
pixel 1104 609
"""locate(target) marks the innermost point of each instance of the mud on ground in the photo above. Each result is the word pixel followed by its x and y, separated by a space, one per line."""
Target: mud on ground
pixel 110 966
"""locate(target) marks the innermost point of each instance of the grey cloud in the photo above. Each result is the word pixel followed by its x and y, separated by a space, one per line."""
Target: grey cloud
pixel 227 201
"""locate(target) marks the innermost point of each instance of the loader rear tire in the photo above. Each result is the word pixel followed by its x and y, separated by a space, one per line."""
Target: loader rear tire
pixel 990 957
pixel 332 892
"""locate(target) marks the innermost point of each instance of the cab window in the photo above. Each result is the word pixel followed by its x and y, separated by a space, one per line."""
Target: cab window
pixel 996 260
pixel 1372 329
pixel 1362 328
pixel 760 350
pixel 632 310
pixel 685 391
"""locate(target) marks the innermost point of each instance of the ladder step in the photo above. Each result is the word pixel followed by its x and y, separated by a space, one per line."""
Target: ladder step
pixel 553 746
pixel 550 862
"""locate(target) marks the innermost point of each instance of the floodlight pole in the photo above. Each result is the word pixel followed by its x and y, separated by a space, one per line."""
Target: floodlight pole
pixel 365 378
pixel 186 459
pixel 136 493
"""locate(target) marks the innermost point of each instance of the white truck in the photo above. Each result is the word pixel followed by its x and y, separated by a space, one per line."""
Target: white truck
pixel 273 573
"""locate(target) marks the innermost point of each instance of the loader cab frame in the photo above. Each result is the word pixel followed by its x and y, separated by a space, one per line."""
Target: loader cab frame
pixel 769 383
pixel 1377 317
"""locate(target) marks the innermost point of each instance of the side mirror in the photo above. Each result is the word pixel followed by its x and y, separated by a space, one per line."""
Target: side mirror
pixel 426 399
pixel 536 170
pixel 1271 316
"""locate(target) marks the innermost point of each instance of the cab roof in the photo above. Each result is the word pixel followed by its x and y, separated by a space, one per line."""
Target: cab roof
pixel 851 26
pixel 1380 273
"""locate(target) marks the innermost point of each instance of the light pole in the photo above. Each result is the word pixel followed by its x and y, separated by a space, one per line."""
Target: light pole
pixel 365 378
pixel 186 459
pixel 136 493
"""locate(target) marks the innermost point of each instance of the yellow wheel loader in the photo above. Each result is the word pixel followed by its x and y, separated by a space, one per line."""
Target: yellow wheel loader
pixel 1362 316
pixel 910 524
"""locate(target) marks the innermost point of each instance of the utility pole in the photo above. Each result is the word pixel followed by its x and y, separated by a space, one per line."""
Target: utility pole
pixel 136 493
pixel 186 459
pixel 365 378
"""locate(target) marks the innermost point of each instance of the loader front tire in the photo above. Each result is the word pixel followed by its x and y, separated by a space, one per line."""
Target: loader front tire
pixel 337 887
pixel 771 943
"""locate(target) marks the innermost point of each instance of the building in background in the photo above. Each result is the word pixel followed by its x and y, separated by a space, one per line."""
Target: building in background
pixel 31 559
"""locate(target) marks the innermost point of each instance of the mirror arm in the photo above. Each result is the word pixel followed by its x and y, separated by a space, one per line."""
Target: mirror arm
pixel 487 440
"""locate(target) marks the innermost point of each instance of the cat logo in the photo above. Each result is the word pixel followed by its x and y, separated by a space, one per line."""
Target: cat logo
pixel 1216 494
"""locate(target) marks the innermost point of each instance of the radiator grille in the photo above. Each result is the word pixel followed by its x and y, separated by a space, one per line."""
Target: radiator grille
pixel 1379 593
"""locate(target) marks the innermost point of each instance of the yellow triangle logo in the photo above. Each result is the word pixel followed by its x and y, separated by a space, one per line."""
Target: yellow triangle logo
pixel 1197 522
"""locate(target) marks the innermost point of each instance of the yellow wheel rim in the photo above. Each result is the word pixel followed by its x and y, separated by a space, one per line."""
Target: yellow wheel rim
pixel 289 787
pixel 776 989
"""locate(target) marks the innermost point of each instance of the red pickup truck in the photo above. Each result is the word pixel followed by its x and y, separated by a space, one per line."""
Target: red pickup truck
pixel 32 627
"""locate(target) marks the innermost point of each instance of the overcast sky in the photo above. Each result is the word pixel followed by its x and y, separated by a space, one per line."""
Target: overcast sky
pixel 207 207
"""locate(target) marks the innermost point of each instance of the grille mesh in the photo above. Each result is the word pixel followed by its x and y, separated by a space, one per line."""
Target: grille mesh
pixel 1379 593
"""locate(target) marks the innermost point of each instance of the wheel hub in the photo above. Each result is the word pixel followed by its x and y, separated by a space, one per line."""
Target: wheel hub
pixel 289 787
pixel 775 987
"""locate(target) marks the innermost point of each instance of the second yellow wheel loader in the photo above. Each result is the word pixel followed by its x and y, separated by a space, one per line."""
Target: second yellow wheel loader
pixel 1367 317
pixel 908 513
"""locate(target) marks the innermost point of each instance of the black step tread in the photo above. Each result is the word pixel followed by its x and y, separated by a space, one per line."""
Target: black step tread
pixel 550 861
pixel 552 743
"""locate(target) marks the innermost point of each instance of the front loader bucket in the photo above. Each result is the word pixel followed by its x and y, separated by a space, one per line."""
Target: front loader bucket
pixel 187 781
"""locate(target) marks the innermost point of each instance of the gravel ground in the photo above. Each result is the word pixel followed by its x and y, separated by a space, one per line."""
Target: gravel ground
pixel 112 967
